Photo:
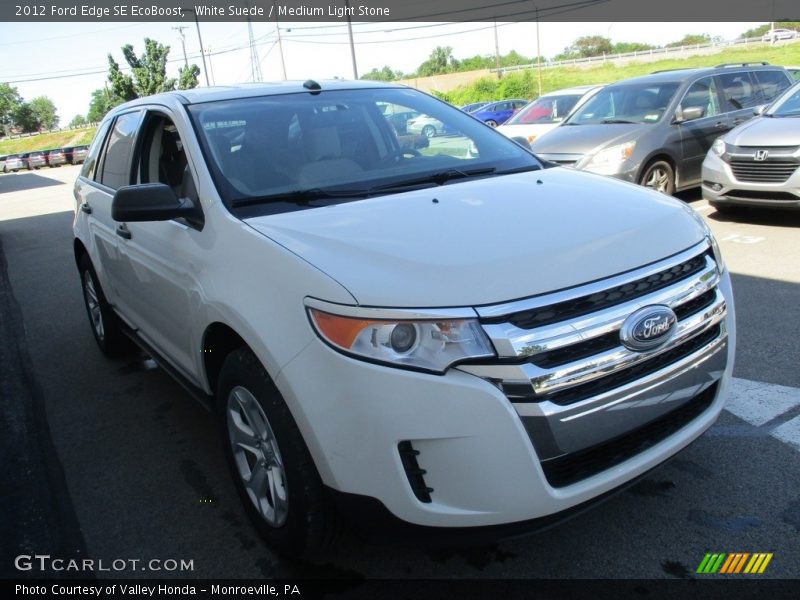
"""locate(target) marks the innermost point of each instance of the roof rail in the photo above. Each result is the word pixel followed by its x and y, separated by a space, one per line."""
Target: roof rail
pixel 742 64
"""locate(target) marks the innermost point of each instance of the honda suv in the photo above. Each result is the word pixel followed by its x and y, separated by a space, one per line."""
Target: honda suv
pixel 655 130
pixel 458 345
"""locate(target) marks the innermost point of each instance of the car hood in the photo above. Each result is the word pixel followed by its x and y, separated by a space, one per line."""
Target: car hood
pixel 486 241
pixel 588 139
pixel 766 131
pixel 526 129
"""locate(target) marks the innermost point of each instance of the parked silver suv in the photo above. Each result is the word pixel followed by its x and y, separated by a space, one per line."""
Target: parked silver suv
pixel 758 163
pixel 655 130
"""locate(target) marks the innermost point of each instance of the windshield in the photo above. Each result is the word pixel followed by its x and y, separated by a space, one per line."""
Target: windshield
pixel 345 143
pixel 634 103
pixel 547 109
pixel 787 105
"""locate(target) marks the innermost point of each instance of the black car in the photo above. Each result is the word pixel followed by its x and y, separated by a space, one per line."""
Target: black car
pixel 655 130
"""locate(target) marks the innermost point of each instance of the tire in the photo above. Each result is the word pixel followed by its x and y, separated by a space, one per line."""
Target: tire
pixel 491 122
pixel 659 176
pixel 429 131
pixel 286 503
pixel 105 324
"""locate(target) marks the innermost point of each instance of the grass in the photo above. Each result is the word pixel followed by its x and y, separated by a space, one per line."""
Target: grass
pixel 45 141
pixel 523 84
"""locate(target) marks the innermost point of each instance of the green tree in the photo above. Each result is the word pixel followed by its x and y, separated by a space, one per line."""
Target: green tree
pixel 100 104
pixel 44 111
pixel 187 77
pixel 691 39
pixel 9 101
pixel 24 118
pixel 440 61
pixel 625 47
pixel 592 45
pixel 77 121
pixel 148 73
pixel 384 74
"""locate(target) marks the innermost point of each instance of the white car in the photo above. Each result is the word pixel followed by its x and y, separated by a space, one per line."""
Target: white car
pixel 780 34
pixel 443 344
pixel 546 112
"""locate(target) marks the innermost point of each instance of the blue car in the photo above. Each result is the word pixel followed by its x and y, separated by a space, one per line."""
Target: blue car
pixel 497 113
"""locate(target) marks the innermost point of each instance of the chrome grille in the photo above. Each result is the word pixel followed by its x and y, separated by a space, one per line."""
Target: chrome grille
pixel 768 171
pixel 562 364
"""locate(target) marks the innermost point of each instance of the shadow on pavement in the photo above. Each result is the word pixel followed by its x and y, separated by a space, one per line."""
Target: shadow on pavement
pixel 19 182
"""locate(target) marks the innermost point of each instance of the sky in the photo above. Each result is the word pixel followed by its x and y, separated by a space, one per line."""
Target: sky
pixel 67 61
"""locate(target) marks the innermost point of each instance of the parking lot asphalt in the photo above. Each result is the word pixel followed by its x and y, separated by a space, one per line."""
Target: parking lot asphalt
pixel 125 465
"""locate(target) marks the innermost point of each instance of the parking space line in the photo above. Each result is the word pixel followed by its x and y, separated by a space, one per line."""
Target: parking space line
pixel 789 432
pixel 758 403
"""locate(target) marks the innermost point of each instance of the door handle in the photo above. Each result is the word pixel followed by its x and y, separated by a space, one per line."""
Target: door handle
pixel 86 208
pixel 720 124
pixel 122 231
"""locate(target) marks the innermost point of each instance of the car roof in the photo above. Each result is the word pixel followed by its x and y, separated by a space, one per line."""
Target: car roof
pixel 578 89
pixel 253 90
pixel 682 75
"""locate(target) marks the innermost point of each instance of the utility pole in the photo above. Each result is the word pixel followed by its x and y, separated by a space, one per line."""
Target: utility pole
pixel 211 67
pixel 538 52
pixel 255 63
pixel 180 29
pixel 202 54
pixel 352 45
pixel 496 48
pixel 280 43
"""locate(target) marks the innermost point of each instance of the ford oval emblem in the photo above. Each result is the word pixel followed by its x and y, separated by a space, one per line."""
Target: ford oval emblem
pixel 648 328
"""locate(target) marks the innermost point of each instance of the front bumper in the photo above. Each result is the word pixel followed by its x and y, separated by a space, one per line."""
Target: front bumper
pixel 474 446
pixel 721 188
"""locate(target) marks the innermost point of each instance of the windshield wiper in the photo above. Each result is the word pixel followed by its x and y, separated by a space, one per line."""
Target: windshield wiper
pixel 437 178
pixel 614 121
pixel 299 196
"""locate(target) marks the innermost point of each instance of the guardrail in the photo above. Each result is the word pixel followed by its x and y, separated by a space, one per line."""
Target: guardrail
pixel 636 54
pixel 16 136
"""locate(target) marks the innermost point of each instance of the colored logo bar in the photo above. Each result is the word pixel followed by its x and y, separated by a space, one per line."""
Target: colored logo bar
pixel 732 563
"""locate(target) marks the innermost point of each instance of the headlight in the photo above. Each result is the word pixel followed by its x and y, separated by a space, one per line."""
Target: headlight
pixel 609 160
pixel 709 236
pixel 719 147
pixel 426 344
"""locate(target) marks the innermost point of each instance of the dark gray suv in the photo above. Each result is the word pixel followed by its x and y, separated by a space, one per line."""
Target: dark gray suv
pixel 655 130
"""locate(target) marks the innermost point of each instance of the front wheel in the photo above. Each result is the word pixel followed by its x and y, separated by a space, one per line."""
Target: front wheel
pixel 660 177
pixel 272 468
pixel 491 123
pixel 429 131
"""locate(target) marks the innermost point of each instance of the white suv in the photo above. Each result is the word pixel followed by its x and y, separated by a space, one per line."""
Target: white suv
pixel 443 341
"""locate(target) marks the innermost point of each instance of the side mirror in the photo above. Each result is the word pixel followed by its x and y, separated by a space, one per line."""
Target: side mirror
pixel 689 114
pixel 522 141
pixel 151 202
pixel 759 110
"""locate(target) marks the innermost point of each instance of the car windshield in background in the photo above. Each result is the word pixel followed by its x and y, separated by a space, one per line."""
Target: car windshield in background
pixel 635 103
pixel 788 105
pixel 343 143
pixel 548 109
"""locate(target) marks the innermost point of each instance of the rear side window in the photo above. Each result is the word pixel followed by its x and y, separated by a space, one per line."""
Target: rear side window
pixel 117 161
pixel 739 91
pixel 770 85
pixel 91 158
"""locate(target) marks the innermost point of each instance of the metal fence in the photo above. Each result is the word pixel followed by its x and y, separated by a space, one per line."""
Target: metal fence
pixel 637 54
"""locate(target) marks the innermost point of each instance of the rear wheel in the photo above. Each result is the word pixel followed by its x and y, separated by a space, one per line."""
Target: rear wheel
pixel 660 177
pixel 491 123
pixel 105 324
pixel 272 468
pixel 429 131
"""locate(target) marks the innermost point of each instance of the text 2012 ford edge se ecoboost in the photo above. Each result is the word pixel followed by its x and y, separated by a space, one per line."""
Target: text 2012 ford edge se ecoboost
pixel 445 336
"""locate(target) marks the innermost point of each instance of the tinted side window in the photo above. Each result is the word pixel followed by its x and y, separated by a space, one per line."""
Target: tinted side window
pixel 117 161
pixel 770 85
pixel 738 89
pixel 702 94
pixel 88 169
